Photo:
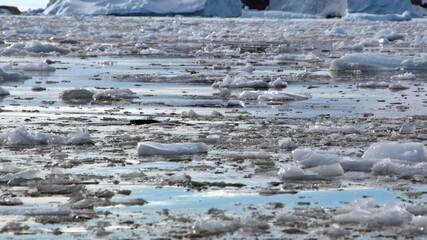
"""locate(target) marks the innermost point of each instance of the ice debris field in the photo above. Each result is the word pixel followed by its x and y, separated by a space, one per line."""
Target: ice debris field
pixel 189 127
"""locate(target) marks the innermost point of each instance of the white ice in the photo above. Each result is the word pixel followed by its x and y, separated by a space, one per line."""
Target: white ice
pixel 223 8
pixel 369 61
pixel 8 74
pixel 366 211
pixel 4 92
pixel 411 151
pixel 33 46
pixel 153 148
pixel 41 67
pixel 22 136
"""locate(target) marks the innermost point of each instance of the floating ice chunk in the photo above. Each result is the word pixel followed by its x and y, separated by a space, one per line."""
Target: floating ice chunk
pixel 287 143
pixel 369 61
pixel 42 67
pixel 152 51
pixel 28 174
pixel 328 171
pixel 336 31
pixel 78 95
pixel 81 136
pixel 365 210
pixel 308 159
pixel 4 92
pixel 35 47
pixel 413 152
pixel 397 86
pixel 373 84
pixel 404 76
pixel 31 31
pixel 407 128
pixel 214 226
pixel 114 95
pixel 346 129
pixel 296 173
pixel 419 221
pixel 355 216
pixel 336 231
pixel 392 214
pixel 7 74
pixel 389 35
pixel 278 83
pixel 270 96
pixel 277 15
pixel 240 82
pixel 153 148
pixel 399 168
pixel 21 136
pixel 190 114
pixel 247 68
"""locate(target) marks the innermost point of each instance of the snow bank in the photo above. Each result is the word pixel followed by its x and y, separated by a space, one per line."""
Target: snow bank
pixel 22 136
pixel 377 62
pixel 153 148
pixel 209 8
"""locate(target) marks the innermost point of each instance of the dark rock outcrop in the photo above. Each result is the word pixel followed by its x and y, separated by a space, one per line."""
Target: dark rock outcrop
pixel 256 4
pixel 13 10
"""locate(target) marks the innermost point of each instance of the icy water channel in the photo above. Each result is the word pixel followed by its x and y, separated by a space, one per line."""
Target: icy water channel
pixel 102 188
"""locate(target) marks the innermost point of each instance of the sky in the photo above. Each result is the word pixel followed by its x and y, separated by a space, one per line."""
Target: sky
pixel 24 5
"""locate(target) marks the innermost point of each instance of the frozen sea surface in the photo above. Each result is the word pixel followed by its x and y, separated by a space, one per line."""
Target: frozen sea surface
pixel 111 83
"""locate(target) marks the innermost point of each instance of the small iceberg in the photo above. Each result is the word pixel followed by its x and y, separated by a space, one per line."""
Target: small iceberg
pixel 153 148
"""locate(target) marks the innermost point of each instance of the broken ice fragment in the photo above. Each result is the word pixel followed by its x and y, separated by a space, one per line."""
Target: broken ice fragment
pixel 153 148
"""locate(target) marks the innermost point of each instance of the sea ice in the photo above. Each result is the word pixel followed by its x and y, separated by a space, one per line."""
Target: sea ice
pixel 391 214
pixel 369 61
pixel 270 96
pixel 41 67
pixel 7 74
pixel 413 152
pixel 404 76
pixel 33 46
pixel 28 174
pixel 78 95
pixel 153 148
pixel 4 92
pixel 287 143
pixel 296 173
pixel 114 95
pixel 21 136
pixel 240 82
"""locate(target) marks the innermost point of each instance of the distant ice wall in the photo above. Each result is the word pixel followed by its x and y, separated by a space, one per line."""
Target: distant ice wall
pixel 324 7
pixel 211 8
pixel 341 7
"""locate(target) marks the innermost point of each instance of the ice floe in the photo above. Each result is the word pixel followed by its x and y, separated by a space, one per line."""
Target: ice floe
pixel 153 148
pixel 41 67
pixel 4 92
pixel 270 96
pixel 366 211
pixel 377 62
pixel 8 74
pixel 33 46
pixel 413 152
pixel 84 96
pixel 22 136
